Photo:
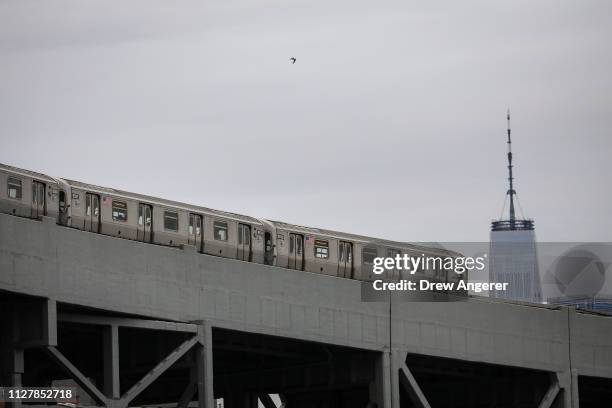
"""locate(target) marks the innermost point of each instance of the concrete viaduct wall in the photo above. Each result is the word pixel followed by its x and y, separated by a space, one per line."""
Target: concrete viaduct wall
pixel 70 266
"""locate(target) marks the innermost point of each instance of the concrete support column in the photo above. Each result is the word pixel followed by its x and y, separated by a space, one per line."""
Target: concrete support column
pixel 570 377
pixel 564 398
pixel 11 358
pixel 380 388
pixel 26 325
pixel 204 364
pixel 49 320
pixel 16 372
pixel 110 343
pixel 575 397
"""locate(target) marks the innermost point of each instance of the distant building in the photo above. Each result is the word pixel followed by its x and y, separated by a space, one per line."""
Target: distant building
pixel 593 304
pixel 513 255
pixel 514 260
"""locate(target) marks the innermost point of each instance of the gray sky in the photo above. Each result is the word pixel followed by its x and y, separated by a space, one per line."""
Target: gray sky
pixel 391 123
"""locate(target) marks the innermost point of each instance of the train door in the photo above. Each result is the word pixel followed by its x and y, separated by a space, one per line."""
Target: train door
pixel 244 242
pixel 345 259
pixel 38 199
pixel 296 252
pixel 269 255
pixel 63 208
pixel 195 231
pixel 92 212
pixel 393 253
pixel 144 231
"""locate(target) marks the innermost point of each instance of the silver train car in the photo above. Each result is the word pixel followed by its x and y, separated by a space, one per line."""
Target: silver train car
pixel 159 221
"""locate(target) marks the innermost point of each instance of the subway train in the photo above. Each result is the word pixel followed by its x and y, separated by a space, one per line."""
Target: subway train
pixel 159 221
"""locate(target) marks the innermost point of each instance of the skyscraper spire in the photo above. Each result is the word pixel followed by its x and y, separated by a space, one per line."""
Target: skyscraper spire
pixel 511 191
pixel 512 223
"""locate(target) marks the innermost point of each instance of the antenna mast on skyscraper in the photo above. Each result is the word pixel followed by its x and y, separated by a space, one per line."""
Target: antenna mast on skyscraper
pixel 512 223
pixel 511 191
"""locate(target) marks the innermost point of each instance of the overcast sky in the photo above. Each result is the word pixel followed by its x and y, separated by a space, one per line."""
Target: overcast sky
pixel 391 123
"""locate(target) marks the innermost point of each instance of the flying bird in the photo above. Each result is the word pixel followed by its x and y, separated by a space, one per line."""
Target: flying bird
pixel 292 59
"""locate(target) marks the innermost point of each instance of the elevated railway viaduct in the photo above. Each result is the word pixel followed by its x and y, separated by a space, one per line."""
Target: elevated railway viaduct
pixel 144 325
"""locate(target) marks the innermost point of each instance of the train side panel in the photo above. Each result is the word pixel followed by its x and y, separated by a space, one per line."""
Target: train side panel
pixel 282 248
pixel 15 194
pixel 77 205
pixel 28 196
pixel 170 225
pixel 118 217
pixel 321 254
pixel 257 243
pixel 220 236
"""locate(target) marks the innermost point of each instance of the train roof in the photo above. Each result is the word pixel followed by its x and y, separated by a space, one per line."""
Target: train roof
pixel 429 246
pixel 27 173
pixel 162 201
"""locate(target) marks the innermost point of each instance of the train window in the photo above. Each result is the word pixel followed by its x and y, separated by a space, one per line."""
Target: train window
pixel 321 249
pixel 220 230
pixel 89 201
pixel 244 234
pixel 368 255
pixel 268 244
pixel 62 201
pixel 299 241
pixel 171 220
pixel 345 252
pixel 144 214
pixel 120 211
pixel 14 188
pixel 247 235
pixel 195 225
pixel 392 253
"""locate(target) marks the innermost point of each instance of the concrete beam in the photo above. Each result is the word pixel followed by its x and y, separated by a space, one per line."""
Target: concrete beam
pixel 191 388
pixel 127 322
pixel 77 375
pixel 158 370
pixel 110 344
pixel 551 394
pixel 267 401
pixel 187 395
pixel 411 386
pixel 398 358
